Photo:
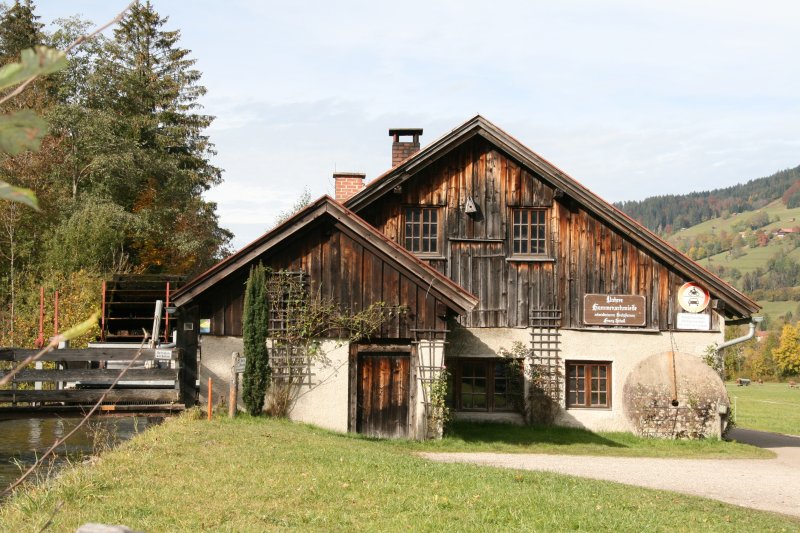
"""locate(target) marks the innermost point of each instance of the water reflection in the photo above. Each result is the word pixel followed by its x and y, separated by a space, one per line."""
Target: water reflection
pixel 22 441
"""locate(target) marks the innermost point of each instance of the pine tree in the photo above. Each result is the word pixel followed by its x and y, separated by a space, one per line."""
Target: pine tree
pixel 255 330
pixel 153 88
pixel 19 30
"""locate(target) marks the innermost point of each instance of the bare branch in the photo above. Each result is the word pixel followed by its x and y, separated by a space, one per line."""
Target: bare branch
pixel 77 42
pixel 83 38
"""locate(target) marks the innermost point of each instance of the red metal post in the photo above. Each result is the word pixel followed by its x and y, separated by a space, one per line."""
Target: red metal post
pixel 55 316
pixel 210 403
pixel 40 338
pixel 103 317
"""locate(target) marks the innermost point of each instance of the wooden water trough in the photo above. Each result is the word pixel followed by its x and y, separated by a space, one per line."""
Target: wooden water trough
pixel 78 379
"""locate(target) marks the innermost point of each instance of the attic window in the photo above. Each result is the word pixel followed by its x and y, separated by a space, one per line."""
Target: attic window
pixel 529 231
pixel 422 230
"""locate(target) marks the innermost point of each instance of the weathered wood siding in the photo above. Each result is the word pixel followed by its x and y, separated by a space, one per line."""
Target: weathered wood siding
pixel 341 267
pixel 584 254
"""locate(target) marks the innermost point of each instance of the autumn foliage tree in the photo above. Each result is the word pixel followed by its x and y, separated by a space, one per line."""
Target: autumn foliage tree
pixel 121 173
pixel 787 354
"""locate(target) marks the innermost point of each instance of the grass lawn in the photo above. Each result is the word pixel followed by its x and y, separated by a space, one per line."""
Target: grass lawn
pixel 768 407
pixel 778 308
pixel 259 474
pixel 505 438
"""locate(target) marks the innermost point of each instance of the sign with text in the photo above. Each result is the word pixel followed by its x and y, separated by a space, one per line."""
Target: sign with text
pixel 163 355
pixel 694 321
pixel 614 310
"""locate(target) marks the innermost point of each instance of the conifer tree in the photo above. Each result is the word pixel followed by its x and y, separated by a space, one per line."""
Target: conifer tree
pixel 255 330
pixel 151 84
pixel 19 30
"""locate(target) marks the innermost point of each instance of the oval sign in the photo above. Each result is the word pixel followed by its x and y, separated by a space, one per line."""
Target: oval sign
pixel 693 298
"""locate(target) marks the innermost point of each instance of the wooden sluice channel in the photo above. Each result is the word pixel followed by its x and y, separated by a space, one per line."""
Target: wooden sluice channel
pixel 79 378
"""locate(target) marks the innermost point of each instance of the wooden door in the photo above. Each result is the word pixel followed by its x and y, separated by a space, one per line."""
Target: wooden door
pixel 382 407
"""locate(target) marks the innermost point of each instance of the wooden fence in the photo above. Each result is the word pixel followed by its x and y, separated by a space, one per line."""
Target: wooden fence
pixel 77 379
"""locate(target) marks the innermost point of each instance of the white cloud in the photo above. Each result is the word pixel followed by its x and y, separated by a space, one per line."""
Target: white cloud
pixel 631 98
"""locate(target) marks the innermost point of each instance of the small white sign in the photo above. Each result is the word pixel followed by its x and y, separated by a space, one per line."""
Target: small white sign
pixel 695 321
pixel 164 355
pixel 241 363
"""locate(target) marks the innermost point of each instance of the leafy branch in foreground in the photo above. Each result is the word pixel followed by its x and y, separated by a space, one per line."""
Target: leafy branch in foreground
pixel 24 130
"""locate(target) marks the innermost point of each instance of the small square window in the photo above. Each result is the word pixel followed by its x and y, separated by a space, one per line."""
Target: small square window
pixel 588 384
pixel 529 231
pixel 422 230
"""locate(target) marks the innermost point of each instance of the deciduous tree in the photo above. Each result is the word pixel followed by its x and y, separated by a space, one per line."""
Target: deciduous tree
pixel 787 354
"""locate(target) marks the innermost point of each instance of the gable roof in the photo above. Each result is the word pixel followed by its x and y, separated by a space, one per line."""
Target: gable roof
pixel 439 285
pixel 478 126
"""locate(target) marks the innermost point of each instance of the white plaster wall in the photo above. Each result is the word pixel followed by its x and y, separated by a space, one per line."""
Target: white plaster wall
pixel 624 350
pixel 215 363
pixel 325 402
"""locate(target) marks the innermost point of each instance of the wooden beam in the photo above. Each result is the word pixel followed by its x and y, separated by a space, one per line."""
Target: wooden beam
pixel 87 354
pixel 95 375
pixel 89 396
pixel 384 348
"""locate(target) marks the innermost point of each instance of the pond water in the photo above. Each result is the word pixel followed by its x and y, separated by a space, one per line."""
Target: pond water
pixel 22 441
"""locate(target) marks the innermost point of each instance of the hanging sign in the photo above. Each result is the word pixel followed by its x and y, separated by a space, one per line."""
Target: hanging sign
pixel 693 298
pixel 614 310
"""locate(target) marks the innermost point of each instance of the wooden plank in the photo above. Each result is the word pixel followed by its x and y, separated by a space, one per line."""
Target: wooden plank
pixel 404 348
pixel 346 266
pixel 95 375
pixel 88 396
pixel 408 290
pixel 86 354
pixel 353 389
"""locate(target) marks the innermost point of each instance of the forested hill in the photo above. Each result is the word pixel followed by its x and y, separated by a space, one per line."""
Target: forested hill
pixel 664 214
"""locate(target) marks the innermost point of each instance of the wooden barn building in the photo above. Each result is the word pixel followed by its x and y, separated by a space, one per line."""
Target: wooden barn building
pixel 492 252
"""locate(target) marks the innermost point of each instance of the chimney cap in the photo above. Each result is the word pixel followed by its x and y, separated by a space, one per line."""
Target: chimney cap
pixel 349 175
pixel 405 131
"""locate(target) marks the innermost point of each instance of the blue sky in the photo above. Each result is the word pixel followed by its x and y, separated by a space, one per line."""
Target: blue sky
pixel 631 98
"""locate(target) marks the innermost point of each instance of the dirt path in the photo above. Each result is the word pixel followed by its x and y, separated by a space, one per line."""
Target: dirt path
pixel 769 484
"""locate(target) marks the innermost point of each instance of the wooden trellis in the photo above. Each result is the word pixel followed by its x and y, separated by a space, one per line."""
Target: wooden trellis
pixel 287 294
pixel 427 369
pixel 545 350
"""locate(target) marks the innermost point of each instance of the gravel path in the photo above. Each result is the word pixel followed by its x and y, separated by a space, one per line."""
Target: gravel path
pixel 766 484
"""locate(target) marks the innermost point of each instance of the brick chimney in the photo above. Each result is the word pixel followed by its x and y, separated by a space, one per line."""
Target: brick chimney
pixel 347 184
pixel 402 150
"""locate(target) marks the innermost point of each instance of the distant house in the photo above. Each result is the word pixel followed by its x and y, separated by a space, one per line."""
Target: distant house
pixel 782 232
pixel 498 253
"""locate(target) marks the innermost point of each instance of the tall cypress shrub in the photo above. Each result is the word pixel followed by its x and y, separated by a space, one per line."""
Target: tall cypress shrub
pixel 255 328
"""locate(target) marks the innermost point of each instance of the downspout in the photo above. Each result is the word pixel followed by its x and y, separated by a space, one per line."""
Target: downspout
pixel 754 321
